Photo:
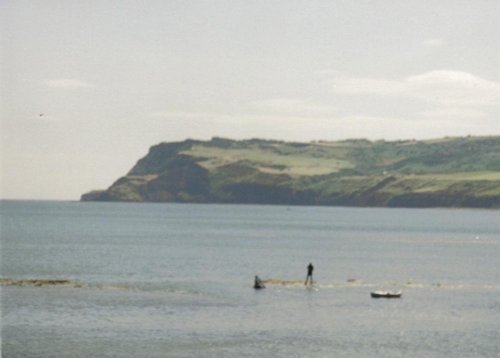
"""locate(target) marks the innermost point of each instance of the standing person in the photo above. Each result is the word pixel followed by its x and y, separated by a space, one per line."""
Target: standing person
pixel 309 277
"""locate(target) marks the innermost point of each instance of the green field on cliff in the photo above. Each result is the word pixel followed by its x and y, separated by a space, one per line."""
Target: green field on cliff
pixel 447 172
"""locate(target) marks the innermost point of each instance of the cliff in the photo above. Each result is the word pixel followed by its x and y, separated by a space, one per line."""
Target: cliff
pixel 448 172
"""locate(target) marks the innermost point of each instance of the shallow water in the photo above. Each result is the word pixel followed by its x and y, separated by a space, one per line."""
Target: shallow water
pixel 174 280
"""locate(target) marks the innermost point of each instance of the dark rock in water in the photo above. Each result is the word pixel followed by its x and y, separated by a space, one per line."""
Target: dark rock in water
pixel 38 282
pixel 258 284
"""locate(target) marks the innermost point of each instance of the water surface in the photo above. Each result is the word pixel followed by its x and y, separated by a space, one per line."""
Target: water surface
pixel 174 280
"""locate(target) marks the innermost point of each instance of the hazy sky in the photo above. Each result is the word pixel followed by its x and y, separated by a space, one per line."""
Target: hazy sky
pixel 88 86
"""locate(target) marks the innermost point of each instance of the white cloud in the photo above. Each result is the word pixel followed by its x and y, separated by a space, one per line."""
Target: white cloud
pixel 68 83
pixel 181 115
pixel 454 113
pixel 295 107
pixel 443 87
pixel 436 42
pixel 361 86
pixel 454 88
pixel 192 118
pixel 328 72
pixel 390 128
pixel 275 110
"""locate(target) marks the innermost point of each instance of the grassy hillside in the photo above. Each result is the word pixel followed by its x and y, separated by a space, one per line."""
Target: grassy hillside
pixel 449 172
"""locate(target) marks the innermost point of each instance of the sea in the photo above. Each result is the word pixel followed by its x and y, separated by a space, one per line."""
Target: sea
pixel 175 280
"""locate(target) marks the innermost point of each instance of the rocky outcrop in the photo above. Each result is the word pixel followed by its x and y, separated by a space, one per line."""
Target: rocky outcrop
pixel 451 172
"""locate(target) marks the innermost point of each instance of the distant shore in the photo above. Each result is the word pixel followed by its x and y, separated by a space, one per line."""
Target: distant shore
pixel 448 173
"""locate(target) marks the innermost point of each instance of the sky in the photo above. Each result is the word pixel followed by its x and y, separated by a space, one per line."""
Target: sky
pixel 88 86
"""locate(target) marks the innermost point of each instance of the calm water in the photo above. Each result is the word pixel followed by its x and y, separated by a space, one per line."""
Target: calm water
pixel 171 280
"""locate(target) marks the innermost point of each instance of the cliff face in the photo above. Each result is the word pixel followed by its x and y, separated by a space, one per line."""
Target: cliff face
pixel 451 172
